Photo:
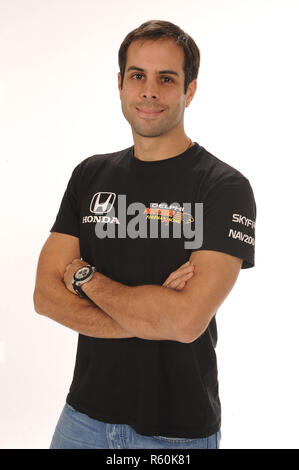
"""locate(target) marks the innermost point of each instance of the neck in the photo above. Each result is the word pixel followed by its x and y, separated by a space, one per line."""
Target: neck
pixel 159 148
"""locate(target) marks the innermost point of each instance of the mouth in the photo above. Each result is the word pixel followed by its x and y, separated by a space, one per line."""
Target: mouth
pixel 148 113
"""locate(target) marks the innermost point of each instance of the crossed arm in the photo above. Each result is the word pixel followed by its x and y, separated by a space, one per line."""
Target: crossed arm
pixel 120 311
pixel 150 311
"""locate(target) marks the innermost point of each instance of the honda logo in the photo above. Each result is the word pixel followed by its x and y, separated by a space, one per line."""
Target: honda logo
pixel 102 203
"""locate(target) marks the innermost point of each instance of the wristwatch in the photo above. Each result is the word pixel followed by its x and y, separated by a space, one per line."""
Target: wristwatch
pixel 81 276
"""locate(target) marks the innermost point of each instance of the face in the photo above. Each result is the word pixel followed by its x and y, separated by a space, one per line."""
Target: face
pixel 152 97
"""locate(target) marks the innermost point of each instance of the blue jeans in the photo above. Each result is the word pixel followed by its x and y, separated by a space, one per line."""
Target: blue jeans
pixel 76 430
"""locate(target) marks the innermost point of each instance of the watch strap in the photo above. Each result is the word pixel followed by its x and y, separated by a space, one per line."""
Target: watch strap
pixel 79 291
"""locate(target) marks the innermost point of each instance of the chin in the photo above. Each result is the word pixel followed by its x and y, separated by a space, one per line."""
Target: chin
pixel 148 133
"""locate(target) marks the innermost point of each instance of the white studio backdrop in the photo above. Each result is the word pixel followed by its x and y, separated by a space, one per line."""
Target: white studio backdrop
pixel 59 104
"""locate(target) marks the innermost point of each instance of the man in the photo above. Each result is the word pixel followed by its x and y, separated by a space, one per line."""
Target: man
pixel 146 369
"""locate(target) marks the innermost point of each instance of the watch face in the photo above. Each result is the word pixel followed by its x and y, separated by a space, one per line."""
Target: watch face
pixel 82 273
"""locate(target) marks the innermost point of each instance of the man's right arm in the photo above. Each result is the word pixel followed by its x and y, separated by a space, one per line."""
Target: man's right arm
pixel 52 298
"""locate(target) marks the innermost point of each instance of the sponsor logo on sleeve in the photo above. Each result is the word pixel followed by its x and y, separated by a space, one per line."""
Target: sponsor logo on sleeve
pixel 236 234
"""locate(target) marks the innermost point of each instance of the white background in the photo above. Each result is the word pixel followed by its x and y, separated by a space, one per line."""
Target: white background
pixel 59 104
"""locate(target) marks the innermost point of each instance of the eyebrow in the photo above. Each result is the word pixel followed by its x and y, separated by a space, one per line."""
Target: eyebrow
pixel 170 72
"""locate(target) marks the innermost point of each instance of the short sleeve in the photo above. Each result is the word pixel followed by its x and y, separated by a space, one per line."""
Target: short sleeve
pixel 229 216
pixel 67 219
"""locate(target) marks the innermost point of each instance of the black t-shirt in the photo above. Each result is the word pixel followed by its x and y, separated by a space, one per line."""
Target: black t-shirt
pixel 161 387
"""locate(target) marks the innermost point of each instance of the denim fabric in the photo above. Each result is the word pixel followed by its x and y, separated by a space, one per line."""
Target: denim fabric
pixel 76 430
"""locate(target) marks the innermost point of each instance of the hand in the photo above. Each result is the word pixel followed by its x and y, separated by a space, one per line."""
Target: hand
pixel 70 271
pixel 178 278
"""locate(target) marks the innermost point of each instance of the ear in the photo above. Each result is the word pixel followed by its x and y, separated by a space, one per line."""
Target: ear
pixel 119 81
pixel 191 92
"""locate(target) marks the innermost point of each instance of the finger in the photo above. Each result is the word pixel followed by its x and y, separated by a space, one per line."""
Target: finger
pixel 178 273
pixel 188 263
pixel 181 286
pixel 176 282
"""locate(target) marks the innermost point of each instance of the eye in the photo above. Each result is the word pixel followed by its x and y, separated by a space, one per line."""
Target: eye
pixel 167 78
pixel 137 74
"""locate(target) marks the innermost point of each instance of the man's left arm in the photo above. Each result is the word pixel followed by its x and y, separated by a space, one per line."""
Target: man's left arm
pixel 157 313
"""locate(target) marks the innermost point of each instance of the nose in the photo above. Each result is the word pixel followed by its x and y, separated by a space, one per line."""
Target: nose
pixel 149 89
